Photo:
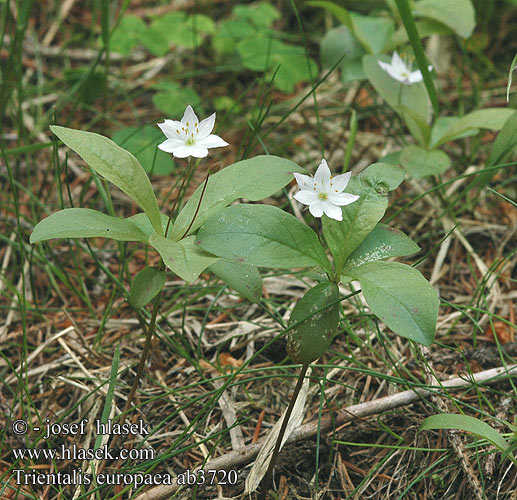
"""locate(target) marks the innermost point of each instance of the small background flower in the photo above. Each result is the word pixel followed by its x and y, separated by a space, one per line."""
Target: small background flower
pixel 401 70
pixel 190 137
pixel 323 193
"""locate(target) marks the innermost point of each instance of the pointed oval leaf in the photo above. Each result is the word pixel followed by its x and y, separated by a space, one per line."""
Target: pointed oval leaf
pixel 381 243
pixel 264 236
pixel 146 286
pixel 401 297
pixel 253 179
pixel 458 15
pixel 420 162
pixel 468 424
pixel 184 258
pixel 314 322
pixel 86 223
pixel 488 118
pixel 243 278
pixel 505 141
pixel 116 165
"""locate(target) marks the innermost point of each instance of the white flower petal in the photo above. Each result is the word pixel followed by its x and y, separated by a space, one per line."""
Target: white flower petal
pixel 304 181
pixel 397 63
pixel 170 145
pixel 340 182
pixel 306 197
pixel 190 119
pixel 342 199
pixel 181 151
pixel 385 66
pixel 212 141
pixel 332 211
pixel 170 128
pixel 322 176
pixel 397 75
pixel 206 126
pixel 316 208
pixel 198 151
pixel 415 77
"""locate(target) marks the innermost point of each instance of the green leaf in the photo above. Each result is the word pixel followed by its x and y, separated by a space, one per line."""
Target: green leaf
pixel 420 162
pixel 262 235
pixel 401 297
pixel 243 278
pixel 505 141
pixel 352 70
pixel 374 33
pixel 360 217
pixel 339 42
pixel 443 123
pixel 509 452
pixel 339 12
pixel 85 223
pixel 116 165
pixel 288 63
pixel 229 32
pixel 261 14
pixel 413 97
pixel 465 423
pixel 382 177
pixel 125 37
pixel 142 142
pixel 182 257
pixel 154 41
pixel 488 118
pixel 458 15
pixel 313 333
pixel 416 124
pixel 144 224
pixel 146 286
pixel 171 100
pixel 176 28
pixel 253 179
pixel 383 242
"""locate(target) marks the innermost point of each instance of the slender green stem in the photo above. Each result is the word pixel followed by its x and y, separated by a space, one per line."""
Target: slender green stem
pixel 266 480
pixel 171 215
pixel 198 206
pixel 139 371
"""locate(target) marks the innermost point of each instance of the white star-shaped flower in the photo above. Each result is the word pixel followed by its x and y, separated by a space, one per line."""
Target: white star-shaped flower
pixel 323 192
pixel 401 71
pixel 190 137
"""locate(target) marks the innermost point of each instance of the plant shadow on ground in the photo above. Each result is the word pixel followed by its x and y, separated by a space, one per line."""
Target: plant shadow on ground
pixel 64 303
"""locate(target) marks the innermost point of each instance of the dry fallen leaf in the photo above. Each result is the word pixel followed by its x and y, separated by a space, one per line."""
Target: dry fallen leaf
pixel 503 331
pixel 226 359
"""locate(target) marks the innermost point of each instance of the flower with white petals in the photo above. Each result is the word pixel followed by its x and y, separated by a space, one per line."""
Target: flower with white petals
pixel 324 192
pixel 401 70
pixel 190 137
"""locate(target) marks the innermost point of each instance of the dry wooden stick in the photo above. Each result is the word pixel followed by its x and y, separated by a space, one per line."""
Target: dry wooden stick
pixel 239 458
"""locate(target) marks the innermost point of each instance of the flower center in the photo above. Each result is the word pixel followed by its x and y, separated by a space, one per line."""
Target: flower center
pixel 190 141
pixel 323 196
